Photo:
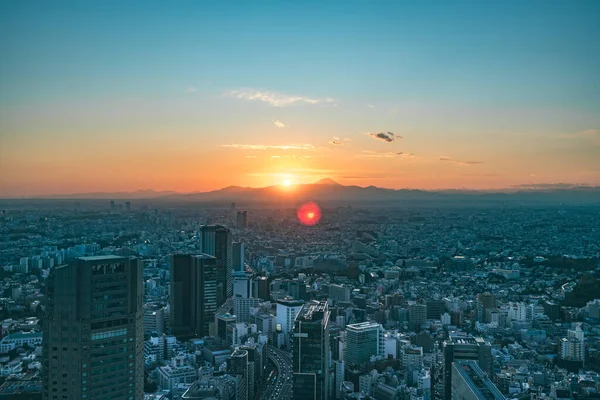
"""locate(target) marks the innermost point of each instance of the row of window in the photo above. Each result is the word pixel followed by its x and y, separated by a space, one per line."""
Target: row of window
pixel 109 334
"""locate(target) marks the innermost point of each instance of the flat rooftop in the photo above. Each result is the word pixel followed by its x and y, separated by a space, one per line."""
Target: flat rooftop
pixel 102 258
pixel 363 326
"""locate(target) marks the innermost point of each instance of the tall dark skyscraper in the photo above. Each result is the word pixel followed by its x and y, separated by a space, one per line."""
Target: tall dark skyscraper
pixel 310 352
pixel 217 242
pixel 93 330
pixel 237 364
pixel 193 294
pixel 465 347
pixel 242 219
pixel 238 256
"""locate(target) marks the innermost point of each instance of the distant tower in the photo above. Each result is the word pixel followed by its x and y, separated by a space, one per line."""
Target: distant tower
pixel 417 315
pixel 128 206
pixel 93 330
pixel 216 241
pixel 193 294
pixel 112 204
pixel 242 219
pixel 310 353
pixel 238 256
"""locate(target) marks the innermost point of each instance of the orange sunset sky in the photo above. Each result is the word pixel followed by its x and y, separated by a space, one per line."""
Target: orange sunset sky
pixel 120 98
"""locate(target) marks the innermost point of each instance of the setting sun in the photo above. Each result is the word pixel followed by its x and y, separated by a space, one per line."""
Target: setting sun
pixel 287 182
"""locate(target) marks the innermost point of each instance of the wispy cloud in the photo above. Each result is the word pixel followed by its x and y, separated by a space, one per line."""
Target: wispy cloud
pixel 190 89
pixel 339 142
pixel 385 136
pixel 304 146
pixel 460 162
pixel 384 154
pixel 279 124
pixel 370 106
pixel 591 135
pixel 276 99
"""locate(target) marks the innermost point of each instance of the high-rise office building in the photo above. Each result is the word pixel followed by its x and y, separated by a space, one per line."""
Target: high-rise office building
pixel 93 330
pixel 242 219
pixel 435 309
pixel 241 307
pixel 216 241
pixel 254 368
pixel 363 340
pixel 417 315
pixel 237 256
pixel 465 347
pixel 572 348
pixel 193 294
pixel 237 364
pixel 339 292
pixel 469 382
pixel 311 352
pixel 242 286
pixel 485 301
pixel 225 324
pixel 261 288
pixel 286 312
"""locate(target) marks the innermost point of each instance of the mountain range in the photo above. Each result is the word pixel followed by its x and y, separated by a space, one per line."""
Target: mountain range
pixel 329 191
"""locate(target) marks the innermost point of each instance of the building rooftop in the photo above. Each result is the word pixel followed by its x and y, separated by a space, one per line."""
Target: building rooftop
pixel 314 309
pixel 477 380
pixel 102 258
pixel 362 326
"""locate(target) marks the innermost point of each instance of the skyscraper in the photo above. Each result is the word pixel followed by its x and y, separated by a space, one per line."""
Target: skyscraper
pixel 237 364
pixel 93 330
pixel 242 219
pixel 363 340
pixel 238 256
pixel 310 352
pixel 465 347
pixel 287 310
pixel 216 241
pixel 193 294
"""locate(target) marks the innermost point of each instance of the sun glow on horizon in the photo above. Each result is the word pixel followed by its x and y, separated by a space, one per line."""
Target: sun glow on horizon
pixel 287 182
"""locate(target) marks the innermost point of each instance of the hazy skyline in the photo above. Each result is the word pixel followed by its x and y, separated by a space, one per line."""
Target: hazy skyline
pixel 196 96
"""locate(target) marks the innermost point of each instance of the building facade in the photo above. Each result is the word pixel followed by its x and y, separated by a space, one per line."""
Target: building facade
pixel 193 294
pixel 216 241
pixel 93 330
pixel 363 340
pixel 311 352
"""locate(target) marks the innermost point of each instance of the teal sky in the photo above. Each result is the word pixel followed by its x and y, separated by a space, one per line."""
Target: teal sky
pixel 109 96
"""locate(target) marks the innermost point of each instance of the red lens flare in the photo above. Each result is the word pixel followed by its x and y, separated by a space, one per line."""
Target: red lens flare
pixel 309 214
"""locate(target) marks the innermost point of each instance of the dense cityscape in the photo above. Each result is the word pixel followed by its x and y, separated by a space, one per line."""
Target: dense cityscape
pixel 300 200
pixel 130 299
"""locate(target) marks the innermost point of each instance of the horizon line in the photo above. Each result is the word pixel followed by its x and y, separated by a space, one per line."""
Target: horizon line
pixel 166 192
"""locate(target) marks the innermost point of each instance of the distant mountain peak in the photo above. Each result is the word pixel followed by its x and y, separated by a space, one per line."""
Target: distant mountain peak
pixel 326 181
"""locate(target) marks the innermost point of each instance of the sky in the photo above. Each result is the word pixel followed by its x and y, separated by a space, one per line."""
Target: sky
pixel 195 96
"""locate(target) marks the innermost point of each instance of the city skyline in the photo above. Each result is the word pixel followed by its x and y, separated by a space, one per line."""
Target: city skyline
pixel 112 97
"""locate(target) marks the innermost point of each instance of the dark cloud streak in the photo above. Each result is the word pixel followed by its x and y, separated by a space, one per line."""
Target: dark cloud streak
pixel 385 136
